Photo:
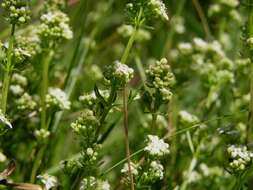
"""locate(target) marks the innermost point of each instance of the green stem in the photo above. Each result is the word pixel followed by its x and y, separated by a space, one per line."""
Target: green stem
pixel 37 163
pixel 8 70
pixel 47 57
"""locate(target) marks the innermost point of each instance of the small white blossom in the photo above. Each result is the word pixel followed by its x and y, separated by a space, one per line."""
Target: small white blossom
pixel 59 98
pixel 156 146
pixel 133 166
pixel 241 157
pixel 48 180
pixel 156 169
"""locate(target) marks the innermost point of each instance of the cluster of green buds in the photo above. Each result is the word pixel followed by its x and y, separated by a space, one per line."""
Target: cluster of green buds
pixel 26 46
pixel 54 5
pixel 119 74
pixel 223 8
pixel 17 11
pixel 26 102
pixel 58 99
pixel 160 77
pixel 154 172
pixel 41 135
pixel 148 9
pixel 94 183
pixel 54 27
pixel 240 157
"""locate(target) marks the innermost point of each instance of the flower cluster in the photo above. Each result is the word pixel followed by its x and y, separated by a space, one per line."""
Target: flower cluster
pixel 155 172
pixel 241 158
pixel 134 169
pixel 26 102
pixel 17 11
pixel 94 183
pixel 57 98
pixel 48 181
pixel 222 8
pixel 41 134
pixel 86 123
pixel 54 27
pixel 149 8
pixel 210 62
pixel 160 77
pixel 156 146
pixel 119 74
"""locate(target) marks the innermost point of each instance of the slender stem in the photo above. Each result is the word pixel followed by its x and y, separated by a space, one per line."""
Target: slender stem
pixel 7 73
pixel 47 57
pixel 125 107
pixel 37 163
pixel 202 18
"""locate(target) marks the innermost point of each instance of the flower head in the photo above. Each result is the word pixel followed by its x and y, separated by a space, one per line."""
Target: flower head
pixel 156 146
pixel 57 97
pixel 48 180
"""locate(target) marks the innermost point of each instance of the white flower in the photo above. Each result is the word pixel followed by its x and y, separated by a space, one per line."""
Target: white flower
pixel 156 146
pixel 241 157
pixel 156 169
pixel 17 90
pixel 185 48
pixel 133 166
pixel 58 97
pixel 48 180
pixel 159 8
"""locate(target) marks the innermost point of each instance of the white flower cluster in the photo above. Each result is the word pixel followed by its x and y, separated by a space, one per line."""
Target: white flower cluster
pixel 134 169
pixel 17 11
pixel 4 121
pixel 93 183
pixel 48 181
pixel 55 26
pixel 241 157
pixel 156 146
pixel 57 97
pixel 158 7
pixel 187 118
pixel 119 74
pixel 156 170
pixel 18 83
pixel 123 72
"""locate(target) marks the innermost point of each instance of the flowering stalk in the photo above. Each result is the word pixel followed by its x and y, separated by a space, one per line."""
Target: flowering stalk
pixel 44 86
pixel 8 70
pixel 125 107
